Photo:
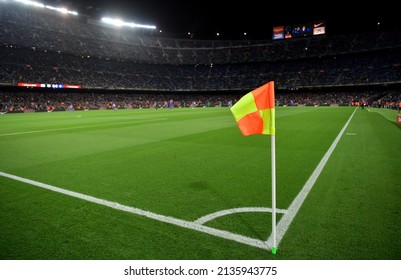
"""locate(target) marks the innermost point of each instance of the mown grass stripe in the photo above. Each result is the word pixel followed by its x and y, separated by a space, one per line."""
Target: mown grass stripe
pixel 288 217
pixel 80 127
pixel 166 219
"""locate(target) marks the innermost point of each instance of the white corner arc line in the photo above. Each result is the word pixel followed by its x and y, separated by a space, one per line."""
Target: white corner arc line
pixel 215 215
pixel 166 219
pixel 296 204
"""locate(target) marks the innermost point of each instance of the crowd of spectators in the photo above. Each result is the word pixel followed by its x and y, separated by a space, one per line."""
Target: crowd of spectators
pixel 62 101
pixel 82 36
pixel 26 65
pixel 39 46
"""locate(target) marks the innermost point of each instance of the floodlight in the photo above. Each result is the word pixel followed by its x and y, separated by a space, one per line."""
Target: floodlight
pixel 119 23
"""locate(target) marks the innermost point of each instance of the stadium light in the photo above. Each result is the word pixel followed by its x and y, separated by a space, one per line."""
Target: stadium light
pixel 40 5
pixel 119 23
pixel 33 3
pixel 61 10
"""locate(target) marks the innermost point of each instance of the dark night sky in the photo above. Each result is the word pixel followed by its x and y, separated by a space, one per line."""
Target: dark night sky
pixel 231 19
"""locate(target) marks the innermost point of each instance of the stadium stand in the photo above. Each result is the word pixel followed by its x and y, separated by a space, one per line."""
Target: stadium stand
pixel 41 47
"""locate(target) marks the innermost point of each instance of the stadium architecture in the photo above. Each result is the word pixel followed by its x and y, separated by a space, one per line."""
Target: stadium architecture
pixel 60 55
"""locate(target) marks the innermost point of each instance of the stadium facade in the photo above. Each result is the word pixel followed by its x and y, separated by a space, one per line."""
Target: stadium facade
pixel 52 51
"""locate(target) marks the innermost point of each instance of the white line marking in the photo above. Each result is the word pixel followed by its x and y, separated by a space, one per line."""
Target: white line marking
pixel 221 213
pixel 350 133
pixel 296 204
pixel 166 219
pixel 79 127
pixel 282 226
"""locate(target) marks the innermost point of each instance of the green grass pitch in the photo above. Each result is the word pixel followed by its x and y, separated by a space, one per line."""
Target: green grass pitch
pixel 185 164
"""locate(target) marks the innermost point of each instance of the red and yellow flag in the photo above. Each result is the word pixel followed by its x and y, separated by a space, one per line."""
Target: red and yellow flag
pixel 255 113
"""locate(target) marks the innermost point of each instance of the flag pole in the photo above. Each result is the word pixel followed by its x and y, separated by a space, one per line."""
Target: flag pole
pixel 273 156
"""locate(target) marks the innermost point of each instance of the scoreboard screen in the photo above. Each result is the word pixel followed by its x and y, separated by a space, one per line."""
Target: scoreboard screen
pixel 299 30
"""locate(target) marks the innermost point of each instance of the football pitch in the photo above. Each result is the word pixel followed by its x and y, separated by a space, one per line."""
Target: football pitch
pixel 185 184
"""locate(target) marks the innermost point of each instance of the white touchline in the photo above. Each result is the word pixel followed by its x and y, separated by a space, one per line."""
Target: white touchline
pixel 79 127
pixel 166 219
pixel 287 218
pixel 198 224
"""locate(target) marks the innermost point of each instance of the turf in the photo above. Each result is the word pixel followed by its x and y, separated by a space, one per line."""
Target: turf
pixel 186 164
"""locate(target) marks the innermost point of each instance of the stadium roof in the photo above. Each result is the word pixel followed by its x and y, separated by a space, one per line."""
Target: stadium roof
pixel 204 19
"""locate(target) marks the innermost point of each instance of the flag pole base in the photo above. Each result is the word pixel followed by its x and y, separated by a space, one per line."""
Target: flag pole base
pixel 274 250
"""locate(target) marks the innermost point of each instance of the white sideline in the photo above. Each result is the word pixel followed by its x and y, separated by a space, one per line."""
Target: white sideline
pixel 80 127
pixel 197 225
pixel 166 219
pixel 287 218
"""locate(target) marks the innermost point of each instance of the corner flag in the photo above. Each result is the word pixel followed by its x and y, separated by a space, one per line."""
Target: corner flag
pixel 255 114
